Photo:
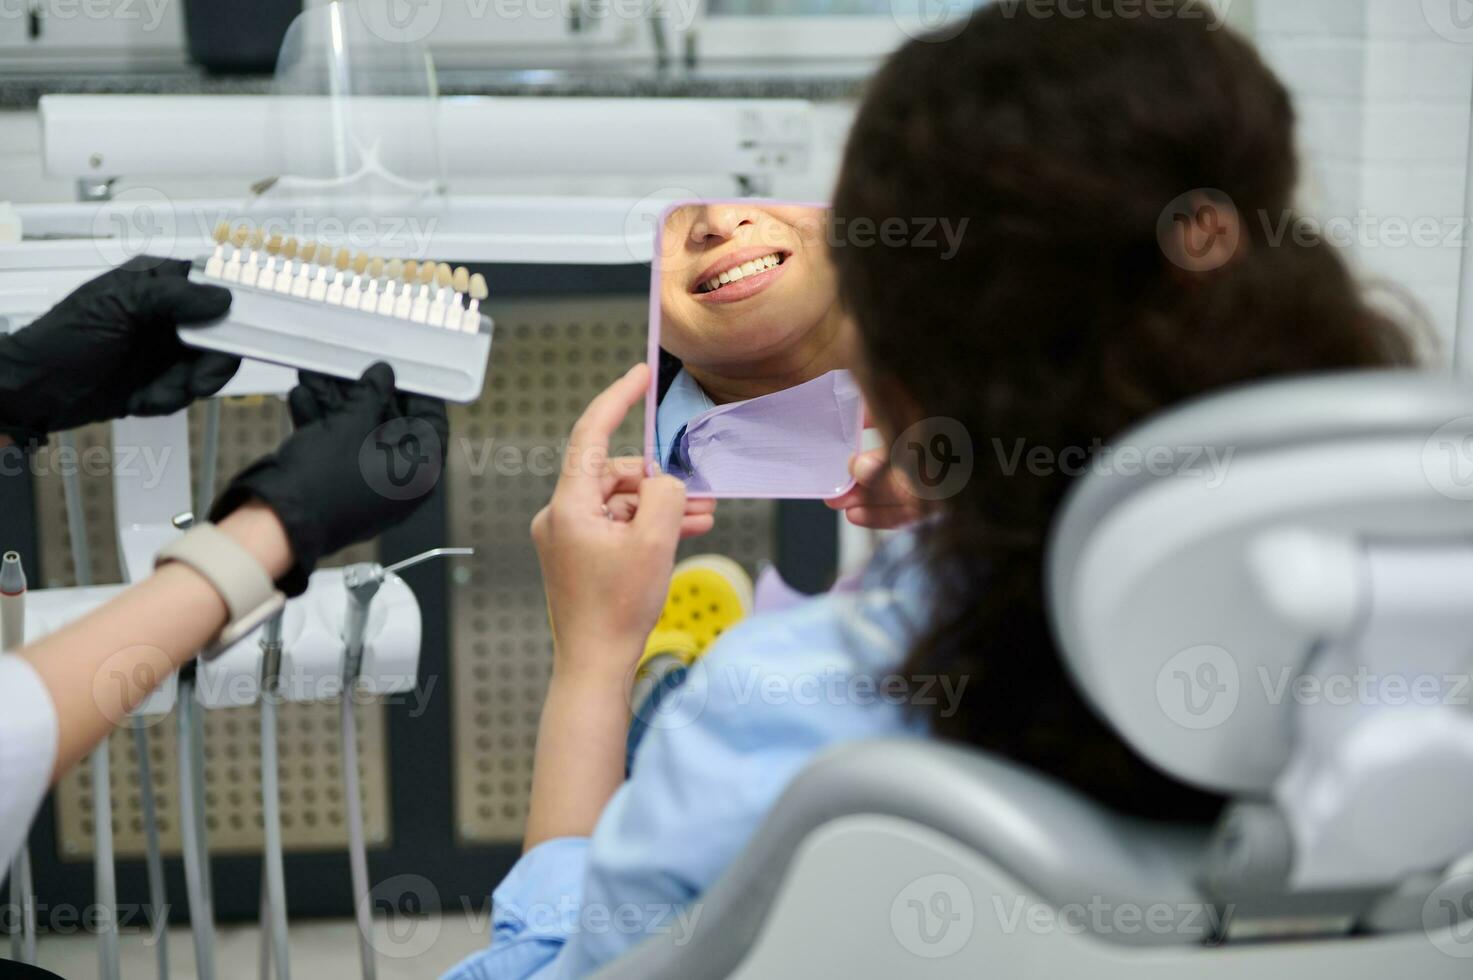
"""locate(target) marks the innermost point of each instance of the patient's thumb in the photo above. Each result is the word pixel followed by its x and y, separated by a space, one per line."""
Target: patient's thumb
pixel 661 506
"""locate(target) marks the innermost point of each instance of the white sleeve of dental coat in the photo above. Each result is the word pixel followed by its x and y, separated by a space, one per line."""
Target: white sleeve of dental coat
pixel 27 751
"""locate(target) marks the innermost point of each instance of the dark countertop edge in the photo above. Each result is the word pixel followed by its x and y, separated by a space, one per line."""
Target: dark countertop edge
pixel 24 91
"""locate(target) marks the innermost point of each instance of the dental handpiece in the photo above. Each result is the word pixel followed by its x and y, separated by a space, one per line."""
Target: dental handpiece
pixel 363 581
pixel 12 603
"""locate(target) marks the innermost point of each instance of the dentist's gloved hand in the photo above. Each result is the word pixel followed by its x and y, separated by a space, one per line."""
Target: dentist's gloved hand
pixel 109 350
pixel 362 459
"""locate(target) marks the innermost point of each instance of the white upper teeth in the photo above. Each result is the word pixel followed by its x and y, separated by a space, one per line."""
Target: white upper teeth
pixel 737 272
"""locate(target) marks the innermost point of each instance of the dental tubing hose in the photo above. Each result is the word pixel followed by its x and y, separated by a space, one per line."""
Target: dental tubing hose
pixel 273 872
pixel 363 582
pixel 103 869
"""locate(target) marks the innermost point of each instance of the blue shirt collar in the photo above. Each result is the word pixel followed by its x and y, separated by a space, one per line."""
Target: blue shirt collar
pixel 683 401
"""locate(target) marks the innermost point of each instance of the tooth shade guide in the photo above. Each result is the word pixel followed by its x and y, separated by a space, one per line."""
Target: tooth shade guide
pixel 420 311
pixel 431 293
pixel 352 295
pixel 288 254
pixel 231 271
pixel 215 265
pixel 267 278
pixel 340 263
pixel 252 266
pixel 392 271
pixel 443 278
pixel 419 307
pixel 470 321
pixel 302 281
pixel 318 288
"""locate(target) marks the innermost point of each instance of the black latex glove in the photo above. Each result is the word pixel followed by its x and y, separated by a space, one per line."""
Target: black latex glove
pixel 109 350
pixel 363 458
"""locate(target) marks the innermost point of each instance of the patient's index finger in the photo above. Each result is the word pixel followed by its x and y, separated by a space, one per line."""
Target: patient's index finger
pixel 588 446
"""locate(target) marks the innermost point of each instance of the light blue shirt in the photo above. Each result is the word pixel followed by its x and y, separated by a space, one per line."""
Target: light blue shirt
pixel 769 696
pixel 683 401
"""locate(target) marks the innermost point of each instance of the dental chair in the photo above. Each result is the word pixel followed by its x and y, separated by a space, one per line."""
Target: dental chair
pixel 1292 628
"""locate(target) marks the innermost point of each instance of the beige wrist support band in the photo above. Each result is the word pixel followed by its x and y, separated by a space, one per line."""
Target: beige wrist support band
pixel 250 595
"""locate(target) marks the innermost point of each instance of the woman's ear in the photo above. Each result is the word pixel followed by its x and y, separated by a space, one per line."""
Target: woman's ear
pixel 1201 231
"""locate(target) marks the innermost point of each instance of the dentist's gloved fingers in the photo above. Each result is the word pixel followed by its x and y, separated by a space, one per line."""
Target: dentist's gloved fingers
pixel 108 349
pixel 361 460
pixel 587 463
pixel 313 397
pixel 166 297
pixel 317 396
pixel 428 410
pixel 200 375
pixel 210 371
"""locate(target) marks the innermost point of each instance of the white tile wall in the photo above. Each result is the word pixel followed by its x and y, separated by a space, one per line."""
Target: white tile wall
pixel 1384 89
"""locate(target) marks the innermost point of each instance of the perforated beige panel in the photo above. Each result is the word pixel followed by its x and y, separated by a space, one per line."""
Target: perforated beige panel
pixel 549 359
pixel 312 810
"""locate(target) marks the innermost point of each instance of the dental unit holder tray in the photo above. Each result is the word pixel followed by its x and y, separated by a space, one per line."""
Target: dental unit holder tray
pixel 314 335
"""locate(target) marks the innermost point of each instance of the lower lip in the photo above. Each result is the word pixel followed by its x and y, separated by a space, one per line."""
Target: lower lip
pixel 745 286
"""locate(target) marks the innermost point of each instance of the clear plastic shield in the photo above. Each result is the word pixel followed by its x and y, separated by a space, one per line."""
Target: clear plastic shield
pixel 354 115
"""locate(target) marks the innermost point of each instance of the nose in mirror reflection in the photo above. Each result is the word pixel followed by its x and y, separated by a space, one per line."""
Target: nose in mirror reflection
pixel 753 394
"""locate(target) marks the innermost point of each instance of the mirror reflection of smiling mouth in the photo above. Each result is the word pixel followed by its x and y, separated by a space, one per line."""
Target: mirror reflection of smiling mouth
pixel 740 274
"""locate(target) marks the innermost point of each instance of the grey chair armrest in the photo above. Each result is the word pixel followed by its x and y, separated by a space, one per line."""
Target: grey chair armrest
pixel 1063 847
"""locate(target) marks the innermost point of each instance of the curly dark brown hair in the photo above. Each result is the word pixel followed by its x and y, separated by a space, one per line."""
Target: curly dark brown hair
pixel 1059 320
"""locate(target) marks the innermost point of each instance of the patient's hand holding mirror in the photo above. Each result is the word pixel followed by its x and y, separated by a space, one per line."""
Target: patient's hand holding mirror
pixel 750 393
